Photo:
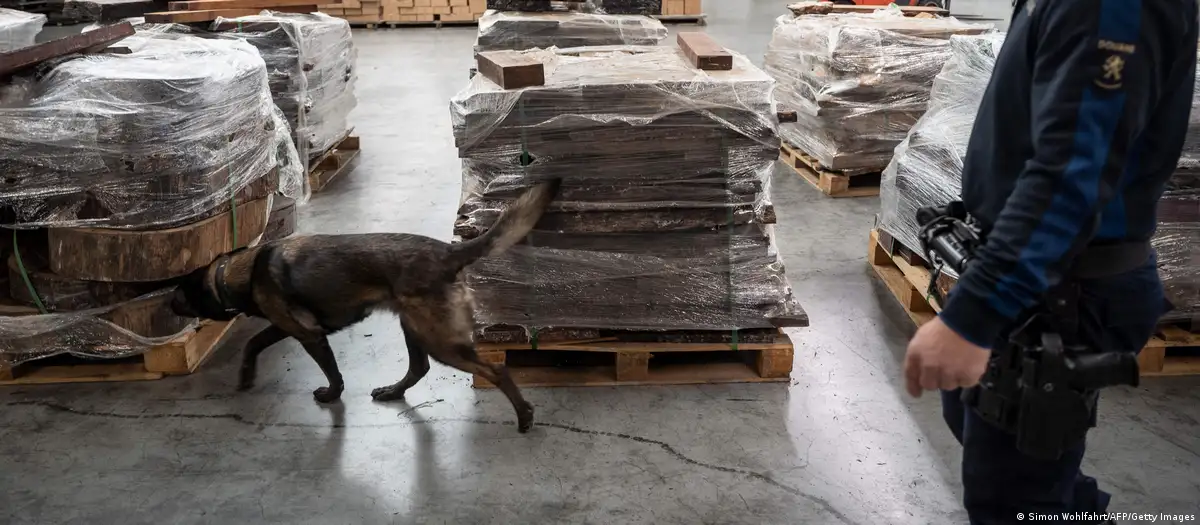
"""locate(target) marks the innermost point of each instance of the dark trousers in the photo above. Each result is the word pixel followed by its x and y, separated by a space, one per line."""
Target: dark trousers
pixel 1116 314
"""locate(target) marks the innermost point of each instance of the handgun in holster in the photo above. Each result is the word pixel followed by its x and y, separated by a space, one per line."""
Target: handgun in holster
pixel 1042 385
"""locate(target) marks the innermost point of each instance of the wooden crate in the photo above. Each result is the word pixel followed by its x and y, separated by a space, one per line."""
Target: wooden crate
pixel 686 11
pixel 333 163
pixel 180 356
pixel 1171 352
pixel 609 363
pixel 830 182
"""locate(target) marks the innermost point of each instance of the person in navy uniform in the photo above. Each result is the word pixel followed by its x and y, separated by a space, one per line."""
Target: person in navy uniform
pixel 1080 127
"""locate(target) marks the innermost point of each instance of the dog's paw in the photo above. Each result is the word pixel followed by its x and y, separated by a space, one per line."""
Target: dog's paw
pixel 326 394
pixel 524 418
pixel 244 385
pixel 387 393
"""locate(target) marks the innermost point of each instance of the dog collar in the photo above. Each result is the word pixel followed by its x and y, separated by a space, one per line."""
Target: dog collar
pixel 223 295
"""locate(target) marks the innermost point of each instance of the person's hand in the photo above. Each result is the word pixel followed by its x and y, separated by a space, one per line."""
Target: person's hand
pixel 938 358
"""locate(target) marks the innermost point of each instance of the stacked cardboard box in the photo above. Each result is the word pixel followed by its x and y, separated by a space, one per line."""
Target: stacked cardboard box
pixel 663 221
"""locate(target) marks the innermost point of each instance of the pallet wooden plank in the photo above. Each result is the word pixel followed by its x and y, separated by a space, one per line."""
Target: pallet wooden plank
pixel 208 15
pixel 510 69
pixel 781 342
pixel 89 373
pixel 180 356
pixel 13 61
pixel 186 353
pixel 632 366
pixel 775 363
pixel 98 254
pixel 830 183
pixel 321 176
pixel 703 52
pixel 684 374
pixel 203 5
pixel 907 283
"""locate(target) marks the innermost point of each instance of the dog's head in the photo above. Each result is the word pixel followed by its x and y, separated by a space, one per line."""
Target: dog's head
pixel 196 296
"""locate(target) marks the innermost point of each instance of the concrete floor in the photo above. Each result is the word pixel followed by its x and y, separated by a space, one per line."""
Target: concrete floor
pixel 841 443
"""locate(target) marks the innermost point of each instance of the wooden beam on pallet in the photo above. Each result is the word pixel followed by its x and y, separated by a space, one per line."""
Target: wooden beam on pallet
pixel 101 254
pixel 704 52
pixel 86 42
pixel 823 8
pixel 201 5
pixel 190 17
pixel 510 69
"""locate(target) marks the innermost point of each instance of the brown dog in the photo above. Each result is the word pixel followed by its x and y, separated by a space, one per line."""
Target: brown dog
pixel 310 287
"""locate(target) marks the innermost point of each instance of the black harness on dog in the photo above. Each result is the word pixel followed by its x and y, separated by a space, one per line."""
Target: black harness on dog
pixel 229 301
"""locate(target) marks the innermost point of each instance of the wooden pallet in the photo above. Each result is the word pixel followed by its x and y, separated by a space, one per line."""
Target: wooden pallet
pixel 608 363
pixel 1171 352
pixel 830 182
pixel 180 356
pixel 332 164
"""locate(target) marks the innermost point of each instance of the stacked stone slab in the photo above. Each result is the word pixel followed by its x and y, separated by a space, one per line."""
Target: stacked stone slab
pixel 664 219
pixel 520 31
pixel 859 81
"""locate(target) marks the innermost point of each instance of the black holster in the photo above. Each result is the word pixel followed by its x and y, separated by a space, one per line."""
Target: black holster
pixel 1043 385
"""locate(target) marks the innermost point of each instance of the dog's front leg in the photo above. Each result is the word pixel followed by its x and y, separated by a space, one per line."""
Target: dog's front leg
pixel 318 348
pixel 261 341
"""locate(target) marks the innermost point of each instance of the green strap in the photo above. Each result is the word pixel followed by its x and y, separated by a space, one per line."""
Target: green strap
pixel 533 338
pixel 37 299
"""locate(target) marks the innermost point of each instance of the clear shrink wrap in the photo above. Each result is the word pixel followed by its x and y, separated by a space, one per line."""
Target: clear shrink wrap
pixel 663 219
pixel 927 167
pixel 162 136
pixel 927 171
pixel 1177 243
pixel 519 31
pixel 1191 146
pixel 858 81
pixel 311 63
pixel 19 29
pixel 613 7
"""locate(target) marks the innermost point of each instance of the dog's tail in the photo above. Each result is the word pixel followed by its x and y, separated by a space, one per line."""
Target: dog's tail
pixel 516 222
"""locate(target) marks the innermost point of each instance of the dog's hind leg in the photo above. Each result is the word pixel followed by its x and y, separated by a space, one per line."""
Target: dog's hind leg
pixel 261 341
pixel 318 348
pixel 418 366
pixel 463 357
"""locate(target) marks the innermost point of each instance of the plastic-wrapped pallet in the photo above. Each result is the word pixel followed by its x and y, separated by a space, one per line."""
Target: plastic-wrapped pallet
pixel 927 171
pixel 520 31
pixel 927 168
pixel 1177 242
pixel 311 63
pixel 170 134
pixel 612 7
pixel 663 220
pixel 19 29
pixel 161 136
pixel 1191 147
pixel 859 81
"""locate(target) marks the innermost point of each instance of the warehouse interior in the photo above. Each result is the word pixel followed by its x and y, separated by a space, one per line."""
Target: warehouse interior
pixel 839 442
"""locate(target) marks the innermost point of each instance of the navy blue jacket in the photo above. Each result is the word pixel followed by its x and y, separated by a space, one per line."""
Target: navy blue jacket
pixel 1081 126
